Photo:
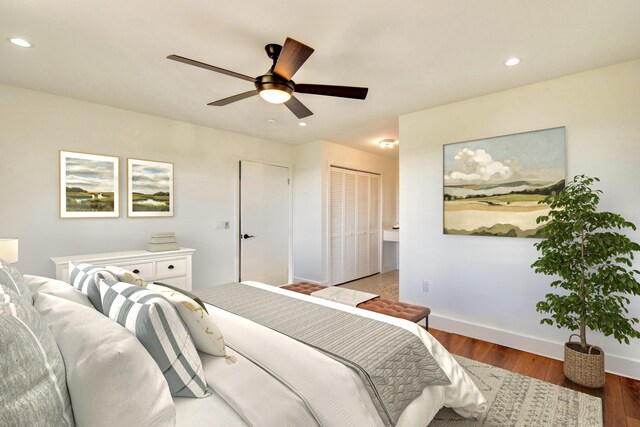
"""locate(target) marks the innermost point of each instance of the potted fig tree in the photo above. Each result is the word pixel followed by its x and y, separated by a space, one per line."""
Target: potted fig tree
pixel 592 262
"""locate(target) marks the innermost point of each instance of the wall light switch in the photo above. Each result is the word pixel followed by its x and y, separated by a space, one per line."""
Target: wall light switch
pixel 425 286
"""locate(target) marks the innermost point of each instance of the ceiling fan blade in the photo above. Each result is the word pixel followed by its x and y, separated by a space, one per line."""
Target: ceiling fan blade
pixel 291 58
pixel 209 67
pixel 298 108
pixel 234 98
pixel 328 90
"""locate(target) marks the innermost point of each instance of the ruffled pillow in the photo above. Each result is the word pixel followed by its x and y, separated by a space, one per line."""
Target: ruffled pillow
pixel 12 279
pixel 33 386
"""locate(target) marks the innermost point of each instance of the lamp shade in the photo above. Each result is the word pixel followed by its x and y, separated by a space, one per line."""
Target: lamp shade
pixel 9 249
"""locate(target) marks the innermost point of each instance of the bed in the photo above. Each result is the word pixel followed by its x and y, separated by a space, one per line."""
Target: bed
pixel 266 378
pixel 273 379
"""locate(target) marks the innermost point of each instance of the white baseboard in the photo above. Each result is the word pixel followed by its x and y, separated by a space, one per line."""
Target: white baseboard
pixel 555 350
pixel 303 279
pixel 389 267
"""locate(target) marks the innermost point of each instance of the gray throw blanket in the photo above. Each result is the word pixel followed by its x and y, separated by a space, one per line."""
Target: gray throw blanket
pixel 393 363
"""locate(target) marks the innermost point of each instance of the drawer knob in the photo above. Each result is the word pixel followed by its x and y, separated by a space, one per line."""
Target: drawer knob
pixel 171 267
pixel 136 271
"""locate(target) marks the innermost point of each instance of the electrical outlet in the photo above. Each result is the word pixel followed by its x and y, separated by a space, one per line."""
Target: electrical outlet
pixel 425 286
pixel 226 225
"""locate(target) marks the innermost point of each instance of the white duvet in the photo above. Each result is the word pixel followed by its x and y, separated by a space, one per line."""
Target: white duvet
pixel 278 381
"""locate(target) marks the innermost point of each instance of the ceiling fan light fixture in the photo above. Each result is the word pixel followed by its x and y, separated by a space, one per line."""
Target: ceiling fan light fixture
pixel 275 96
pixel 387 143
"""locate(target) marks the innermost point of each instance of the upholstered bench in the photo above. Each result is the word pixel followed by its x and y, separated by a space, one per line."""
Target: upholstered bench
pixel 414 313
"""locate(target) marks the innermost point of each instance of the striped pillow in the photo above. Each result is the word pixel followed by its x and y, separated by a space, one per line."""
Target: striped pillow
pixel 85 278
pixel 156 323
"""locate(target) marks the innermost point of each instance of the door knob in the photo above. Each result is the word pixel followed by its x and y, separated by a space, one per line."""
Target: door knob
pixel 247 236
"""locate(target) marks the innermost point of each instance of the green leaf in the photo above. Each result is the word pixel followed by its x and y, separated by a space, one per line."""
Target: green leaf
pixel 590 260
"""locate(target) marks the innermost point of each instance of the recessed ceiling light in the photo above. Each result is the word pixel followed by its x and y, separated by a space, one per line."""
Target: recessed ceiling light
pixel 303 124
pixel 20 42
pixel 272 121
pixel 512 61
pixel 387 143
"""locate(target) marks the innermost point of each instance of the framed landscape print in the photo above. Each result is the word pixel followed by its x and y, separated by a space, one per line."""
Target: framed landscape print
pixel 88 186
pixel 150 188
pixel 492 186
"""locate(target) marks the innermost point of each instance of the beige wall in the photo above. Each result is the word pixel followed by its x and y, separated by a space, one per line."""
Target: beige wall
pixel 484 286
pixel 34 126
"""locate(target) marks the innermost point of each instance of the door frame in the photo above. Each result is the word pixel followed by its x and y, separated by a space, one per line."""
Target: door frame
pixel 327 215
pixel 237 212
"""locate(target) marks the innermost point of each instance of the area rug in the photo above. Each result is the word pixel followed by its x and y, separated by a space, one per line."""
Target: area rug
pixel 387 289
pixel 520 401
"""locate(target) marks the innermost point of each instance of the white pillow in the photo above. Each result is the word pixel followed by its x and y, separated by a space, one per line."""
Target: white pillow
pixel 127 276
pixel 203 329
pixel 112 379
pixel 58 288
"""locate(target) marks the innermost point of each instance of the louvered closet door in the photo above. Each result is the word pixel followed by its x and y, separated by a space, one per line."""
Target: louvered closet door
pixel 350 221
pixel 337 226
pixel 374 224
pixel 355 225
pixel 362 208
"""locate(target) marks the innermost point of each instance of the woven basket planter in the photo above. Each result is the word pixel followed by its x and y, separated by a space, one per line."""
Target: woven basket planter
pixel 586 369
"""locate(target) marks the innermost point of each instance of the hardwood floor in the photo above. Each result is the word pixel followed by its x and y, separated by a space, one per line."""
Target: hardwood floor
pixel 620 395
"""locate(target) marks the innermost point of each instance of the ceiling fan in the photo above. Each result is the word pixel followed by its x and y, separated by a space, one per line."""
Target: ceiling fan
pixel 276 86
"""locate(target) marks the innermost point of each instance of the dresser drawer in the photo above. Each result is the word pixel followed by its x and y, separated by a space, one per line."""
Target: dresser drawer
pixel 171 268
pixel 142 269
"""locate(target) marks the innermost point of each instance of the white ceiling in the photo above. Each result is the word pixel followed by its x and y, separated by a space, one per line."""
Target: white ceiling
pixel 411 54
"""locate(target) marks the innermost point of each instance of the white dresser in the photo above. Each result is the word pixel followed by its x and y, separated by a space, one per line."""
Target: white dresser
pixel 171 267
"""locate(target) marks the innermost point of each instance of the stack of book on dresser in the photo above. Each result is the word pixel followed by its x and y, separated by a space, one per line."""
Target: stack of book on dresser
pixel 160 242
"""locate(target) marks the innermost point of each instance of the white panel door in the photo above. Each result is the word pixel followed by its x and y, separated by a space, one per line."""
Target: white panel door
pixel 264 223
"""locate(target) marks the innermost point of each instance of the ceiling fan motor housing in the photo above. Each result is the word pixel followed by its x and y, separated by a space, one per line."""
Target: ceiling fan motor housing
pixel 274 82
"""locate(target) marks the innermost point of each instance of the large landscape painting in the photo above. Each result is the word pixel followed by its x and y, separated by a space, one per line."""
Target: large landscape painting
pixel 492 186
pixel 88 185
